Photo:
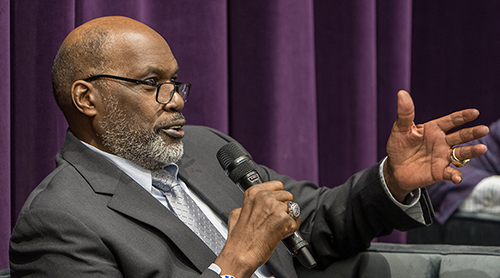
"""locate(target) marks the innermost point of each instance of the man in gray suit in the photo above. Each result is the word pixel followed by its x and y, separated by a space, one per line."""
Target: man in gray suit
pixel 98 215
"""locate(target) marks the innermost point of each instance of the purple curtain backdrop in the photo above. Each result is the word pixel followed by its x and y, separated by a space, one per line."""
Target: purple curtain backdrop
pixel 5 132
pixel 308 87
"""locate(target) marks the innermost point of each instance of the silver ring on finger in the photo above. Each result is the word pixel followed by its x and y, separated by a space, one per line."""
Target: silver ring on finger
pixel 293 209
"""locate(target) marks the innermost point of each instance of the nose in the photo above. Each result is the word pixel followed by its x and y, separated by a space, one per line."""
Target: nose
pixel 175 104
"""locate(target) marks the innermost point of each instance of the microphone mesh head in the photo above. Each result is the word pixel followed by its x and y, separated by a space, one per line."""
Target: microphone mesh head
pixel 235 160
pixel 229 152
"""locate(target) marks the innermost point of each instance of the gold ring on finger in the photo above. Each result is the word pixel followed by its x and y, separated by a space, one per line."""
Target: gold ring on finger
pixel 457 162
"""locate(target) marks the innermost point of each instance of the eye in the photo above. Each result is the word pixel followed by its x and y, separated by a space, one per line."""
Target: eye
pixel 151 82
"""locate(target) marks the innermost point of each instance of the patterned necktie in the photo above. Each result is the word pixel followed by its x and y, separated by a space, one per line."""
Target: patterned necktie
pixel 185 208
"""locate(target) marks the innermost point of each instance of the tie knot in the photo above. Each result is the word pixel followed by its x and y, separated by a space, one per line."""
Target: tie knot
pixel 165 179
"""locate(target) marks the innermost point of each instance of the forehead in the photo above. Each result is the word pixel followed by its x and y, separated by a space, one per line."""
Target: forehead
pixel 139 53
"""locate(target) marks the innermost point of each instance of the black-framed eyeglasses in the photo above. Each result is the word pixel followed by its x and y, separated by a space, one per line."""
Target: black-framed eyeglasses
pixel 164 91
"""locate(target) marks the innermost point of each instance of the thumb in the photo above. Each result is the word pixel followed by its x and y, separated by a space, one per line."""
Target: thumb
pixel 406 111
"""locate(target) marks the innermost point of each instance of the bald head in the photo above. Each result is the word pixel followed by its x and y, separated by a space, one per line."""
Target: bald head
pixel 95 47
pixel 117 110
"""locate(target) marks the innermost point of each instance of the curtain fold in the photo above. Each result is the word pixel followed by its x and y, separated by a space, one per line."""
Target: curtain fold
pixel 37 125
pixel 272 84
pixel 308 87
pixel 345 33
pixel 393 72
pixel 5 131
pixel 394 29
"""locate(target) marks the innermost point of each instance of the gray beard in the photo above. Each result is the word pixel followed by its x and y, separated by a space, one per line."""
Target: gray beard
pixel 145 148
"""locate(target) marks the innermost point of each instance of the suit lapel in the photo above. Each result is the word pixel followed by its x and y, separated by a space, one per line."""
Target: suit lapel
pixel 129 198
pixel 132 200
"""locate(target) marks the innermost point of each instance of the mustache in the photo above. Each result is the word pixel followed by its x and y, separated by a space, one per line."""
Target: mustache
pixel 170 121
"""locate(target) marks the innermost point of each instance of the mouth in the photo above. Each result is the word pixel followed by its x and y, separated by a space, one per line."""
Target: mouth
pixel 174 130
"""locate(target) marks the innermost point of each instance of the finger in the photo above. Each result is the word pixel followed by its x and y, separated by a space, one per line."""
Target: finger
pixel 281 196
pixel 272 189
pixel 294 223
pixel 406 111
pixel 452 174
pixel 466 135
pixel 297 220
pixel 456 119
pixel 293 228
pixel 469 152
pixel 270 185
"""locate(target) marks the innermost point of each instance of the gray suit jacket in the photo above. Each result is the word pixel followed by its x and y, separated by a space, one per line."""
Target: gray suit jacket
pixel 88 218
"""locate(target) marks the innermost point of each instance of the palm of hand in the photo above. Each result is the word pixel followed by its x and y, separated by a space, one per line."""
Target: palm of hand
pixel 419 155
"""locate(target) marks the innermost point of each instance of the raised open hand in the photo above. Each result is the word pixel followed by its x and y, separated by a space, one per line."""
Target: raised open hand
pixel 420 155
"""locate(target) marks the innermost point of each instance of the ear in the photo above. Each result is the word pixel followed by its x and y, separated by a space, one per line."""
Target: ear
pixel 84 97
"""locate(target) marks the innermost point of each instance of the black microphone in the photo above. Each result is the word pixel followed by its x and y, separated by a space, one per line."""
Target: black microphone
pixel 240 168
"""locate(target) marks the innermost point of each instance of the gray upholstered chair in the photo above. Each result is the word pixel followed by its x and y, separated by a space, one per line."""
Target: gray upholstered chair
pixel 5 273
pixel 385 260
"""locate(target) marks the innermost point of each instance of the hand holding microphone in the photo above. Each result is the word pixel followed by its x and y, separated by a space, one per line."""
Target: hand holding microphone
pixel 241 170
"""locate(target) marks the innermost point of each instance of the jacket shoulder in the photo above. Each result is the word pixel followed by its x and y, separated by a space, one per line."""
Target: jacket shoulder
pixel 199 138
